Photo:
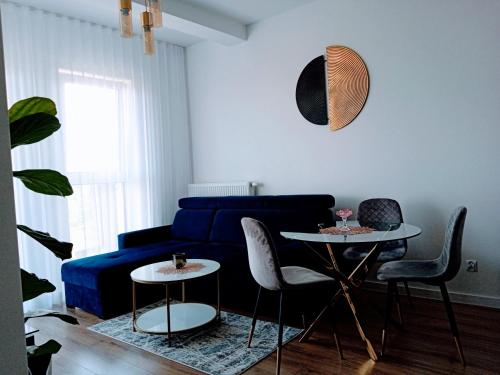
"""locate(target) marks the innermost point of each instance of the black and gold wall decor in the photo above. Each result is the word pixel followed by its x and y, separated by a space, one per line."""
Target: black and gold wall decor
pixel 333 89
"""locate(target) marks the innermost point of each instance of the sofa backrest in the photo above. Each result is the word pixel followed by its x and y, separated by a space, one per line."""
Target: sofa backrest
pixel 305 201
pixel 218 219
pixel 227 223
pixel 192 224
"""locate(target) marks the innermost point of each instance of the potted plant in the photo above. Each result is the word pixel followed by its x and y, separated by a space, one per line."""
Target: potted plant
pixel 32 120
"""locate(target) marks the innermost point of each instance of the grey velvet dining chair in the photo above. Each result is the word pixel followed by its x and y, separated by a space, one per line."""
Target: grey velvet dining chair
pixel 434 272
pixel 378 213
pixel 266 270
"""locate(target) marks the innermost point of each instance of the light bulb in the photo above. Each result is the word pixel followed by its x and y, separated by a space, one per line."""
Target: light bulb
pixel 147 26
pixel 126 28
pixel 155 9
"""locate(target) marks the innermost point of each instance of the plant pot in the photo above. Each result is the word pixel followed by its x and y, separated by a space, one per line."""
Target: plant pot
pixel 40 365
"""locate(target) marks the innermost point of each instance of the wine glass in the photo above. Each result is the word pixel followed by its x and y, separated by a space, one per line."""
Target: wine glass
pixel 344 214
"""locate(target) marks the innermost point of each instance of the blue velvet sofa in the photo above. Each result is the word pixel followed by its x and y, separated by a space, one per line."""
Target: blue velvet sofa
pixel 203 228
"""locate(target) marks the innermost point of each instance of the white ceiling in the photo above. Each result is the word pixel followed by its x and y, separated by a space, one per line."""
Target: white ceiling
pixel 248 11
pixel 104 12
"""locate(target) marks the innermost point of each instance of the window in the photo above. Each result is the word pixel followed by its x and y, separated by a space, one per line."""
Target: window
pixel 93 114
pixel 98 131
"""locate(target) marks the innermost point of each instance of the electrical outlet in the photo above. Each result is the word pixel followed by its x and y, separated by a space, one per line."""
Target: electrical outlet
pixel 471 265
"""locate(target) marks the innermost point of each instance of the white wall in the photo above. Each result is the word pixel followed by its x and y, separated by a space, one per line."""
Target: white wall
pixel 428 135
pixel 12 346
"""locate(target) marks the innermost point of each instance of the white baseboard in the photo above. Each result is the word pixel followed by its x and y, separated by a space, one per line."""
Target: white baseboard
pixel 423 292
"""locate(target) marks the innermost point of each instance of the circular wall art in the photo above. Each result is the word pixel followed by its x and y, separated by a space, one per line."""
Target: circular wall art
pixel 311 92
pixel 334 95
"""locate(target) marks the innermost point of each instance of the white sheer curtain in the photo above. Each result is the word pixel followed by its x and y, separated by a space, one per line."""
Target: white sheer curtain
pixel 124 141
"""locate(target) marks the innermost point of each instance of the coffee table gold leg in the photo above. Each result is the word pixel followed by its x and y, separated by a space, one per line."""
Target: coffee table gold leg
pixel 218 295
pixel 169 332
pixel 133 307
pixel 369 346
pixel 183 292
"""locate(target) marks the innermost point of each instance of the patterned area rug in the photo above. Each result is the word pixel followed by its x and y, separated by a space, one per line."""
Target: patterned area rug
pixel 219 349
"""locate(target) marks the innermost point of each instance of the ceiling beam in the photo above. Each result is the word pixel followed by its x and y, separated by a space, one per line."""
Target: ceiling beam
pixel 201 23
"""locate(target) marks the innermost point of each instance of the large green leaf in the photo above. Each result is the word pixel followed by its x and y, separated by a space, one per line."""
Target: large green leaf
pixel 45 181
pixel 32 128
pixel 30 106
pixel 50 347
pixel 62 250
pixel 33 286
pixel 48 313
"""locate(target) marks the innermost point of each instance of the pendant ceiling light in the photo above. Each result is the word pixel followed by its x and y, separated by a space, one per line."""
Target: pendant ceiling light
pixel 152 17
pixel 155 8
pixel 126 28
pixel 147 27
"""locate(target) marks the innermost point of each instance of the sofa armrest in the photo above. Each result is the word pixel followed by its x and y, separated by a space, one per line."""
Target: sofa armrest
pixel 143 237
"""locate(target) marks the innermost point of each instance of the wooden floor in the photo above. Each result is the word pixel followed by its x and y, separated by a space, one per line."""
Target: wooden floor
pixel 424 346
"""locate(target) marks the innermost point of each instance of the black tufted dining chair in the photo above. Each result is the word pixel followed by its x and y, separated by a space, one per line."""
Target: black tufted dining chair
pixel 434 272
pixel 379 213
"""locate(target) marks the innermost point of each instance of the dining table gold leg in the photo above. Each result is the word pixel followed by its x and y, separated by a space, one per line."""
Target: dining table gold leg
pixel 308 332
pixel 347 295
pixel 369 346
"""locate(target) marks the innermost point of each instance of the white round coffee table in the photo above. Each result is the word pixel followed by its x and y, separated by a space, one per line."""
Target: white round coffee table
pixel 178 317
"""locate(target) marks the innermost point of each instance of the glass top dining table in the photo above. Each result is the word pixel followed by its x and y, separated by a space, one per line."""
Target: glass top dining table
pixel 381 233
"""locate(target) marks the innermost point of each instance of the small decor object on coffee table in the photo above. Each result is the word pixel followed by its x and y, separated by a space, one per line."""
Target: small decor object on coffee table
pixel 177 317
pixel 344 214
pixel 179 260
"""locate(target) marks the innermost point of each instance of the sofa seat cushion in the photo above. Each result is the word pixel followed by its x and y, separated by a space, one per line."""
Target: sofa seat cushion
pixel 227 223
pixel 93 271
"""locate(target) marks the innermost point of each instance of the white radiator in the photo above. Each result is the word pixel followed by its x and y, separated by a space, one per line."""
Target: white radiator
pixel 222 189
